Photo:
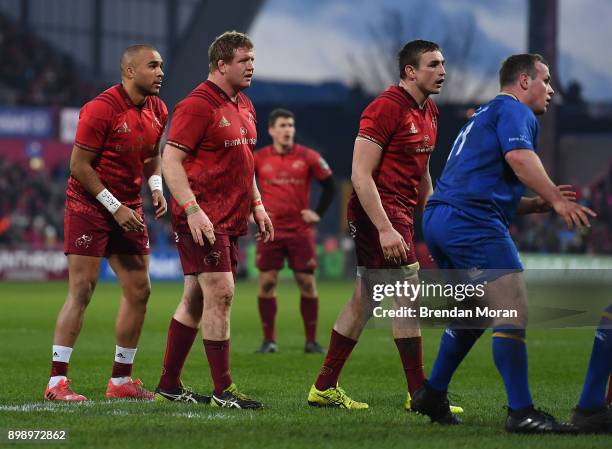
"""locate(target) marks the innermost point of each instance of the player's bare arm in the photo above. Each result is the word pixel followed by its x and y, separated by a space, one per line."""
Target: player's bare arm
pixel 529 169
pixel 366 157
pixel 176 179
pixel 260 216
pixel 82 170
pixel 152 172
pixel 536 204
pixel 425 189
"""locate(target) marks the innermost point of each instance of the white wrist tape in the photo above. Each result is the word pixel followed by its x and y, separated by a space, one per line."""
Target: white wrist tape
pixel 108 200
pixel 155 183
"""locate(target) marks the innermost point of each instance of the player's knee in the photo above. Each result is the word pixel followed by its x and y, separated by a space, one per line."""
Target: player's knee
pixel 193 304
pixel 268 287
pixel 82 290
pixel 307 286
pixel 142 291
pixel 308 289
pixel 362 310
pixel 223 297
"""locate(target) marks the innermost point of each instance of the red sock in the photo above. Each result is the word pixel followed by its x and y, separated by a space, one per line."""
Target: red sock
pixel 59 369
pixel 411 353
pixel 609 398
pixel 267 312
pixel 122 369
pixel 217 353
pixel 179 342
pixel 340 348
pixel 309 307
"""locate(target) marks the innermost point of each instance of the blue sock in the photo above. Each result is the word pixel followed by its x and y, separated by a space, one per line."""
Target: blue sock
pixel 454 346
pixel 510 355
pixel 594 390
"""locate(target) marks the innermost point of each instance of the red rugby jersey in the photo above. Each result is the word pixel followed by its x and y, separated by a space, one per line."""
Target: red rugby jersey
pixel 219 137
pixel 123 135
pixel 406 135
pixel 284 183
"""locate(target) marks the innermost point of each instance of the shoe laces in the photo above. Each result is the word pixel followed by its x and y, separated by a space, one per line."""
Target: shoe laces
pixel 343 396
pixel 233 389
pixel 65 386
pixel 138 384
pixel 545 414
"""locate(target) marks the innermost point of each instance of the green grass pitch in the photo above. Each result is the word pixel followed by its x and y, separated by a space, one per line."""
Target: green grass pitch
pixel 373 374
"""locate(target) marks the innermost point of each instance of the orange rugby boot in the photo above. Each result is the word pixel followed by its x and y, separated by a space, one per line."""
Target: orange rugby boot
pixel 133 389
pixel 62 392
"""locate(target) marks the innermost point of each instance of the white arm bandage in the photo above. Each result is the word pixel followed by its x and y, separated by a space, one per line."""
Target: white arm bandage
pixel 109 201
pixel 155 183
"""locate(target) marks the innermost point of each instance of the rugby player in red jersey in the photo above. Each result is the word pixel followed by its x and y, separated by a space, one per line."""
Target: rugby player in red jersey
pixel 284 171
pixel 116 145
pixel 390 175
pixel 208 165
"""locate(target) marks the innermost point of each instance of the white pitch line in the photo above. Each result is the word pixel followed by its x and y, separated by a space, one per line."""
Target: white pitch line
pixel 76 407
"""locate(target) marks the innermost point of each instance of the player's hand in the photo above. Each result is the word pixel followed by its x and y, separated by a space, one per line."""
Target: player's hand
pixel 395 249
pixel 541 205
pixel 265 231
pixel 310 216
pixel 574 214
pixel 159 202
pixel 201 228
pixel 128 219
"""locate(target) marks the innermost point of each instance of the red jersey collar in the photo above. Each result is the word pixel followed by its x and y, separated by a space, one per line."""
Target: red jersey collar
pixel 411 99
pixel 221 92
pixel 291 150
pixel 127 99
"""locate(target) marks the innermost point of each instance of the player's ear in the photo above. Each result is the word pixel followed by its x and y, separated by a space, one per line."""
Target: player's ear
pixel 409 72
pixel 221 66
pixel 524 79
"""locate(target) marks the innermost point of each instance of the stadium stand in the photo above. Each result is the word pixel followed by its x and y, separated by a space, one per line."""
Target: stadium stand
pixel 37 75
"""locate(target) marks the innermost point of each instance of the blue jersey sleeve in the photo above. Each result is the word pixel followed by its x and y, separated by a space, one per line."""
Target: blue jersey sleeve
pixel 517 128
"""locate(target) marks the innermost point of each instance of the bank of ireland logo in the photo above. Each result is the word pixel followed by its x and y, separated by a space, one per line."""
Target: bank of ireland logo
pixel 212 258
pixel 83 241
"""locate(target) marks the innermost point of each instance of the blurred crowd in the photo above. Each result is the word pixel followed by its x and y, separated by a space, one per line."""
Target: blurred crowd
pixel 32 208
pixel 548 233
pixel 35 74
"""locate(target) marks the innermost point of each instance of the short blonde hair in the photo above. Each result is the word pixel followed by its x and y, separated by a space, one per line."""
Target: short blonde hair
pixel 224 46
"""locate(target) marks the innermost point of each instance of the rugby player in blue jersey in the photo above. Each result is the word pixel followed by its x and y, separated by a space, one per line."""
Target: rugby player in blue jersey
pixel 465 224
